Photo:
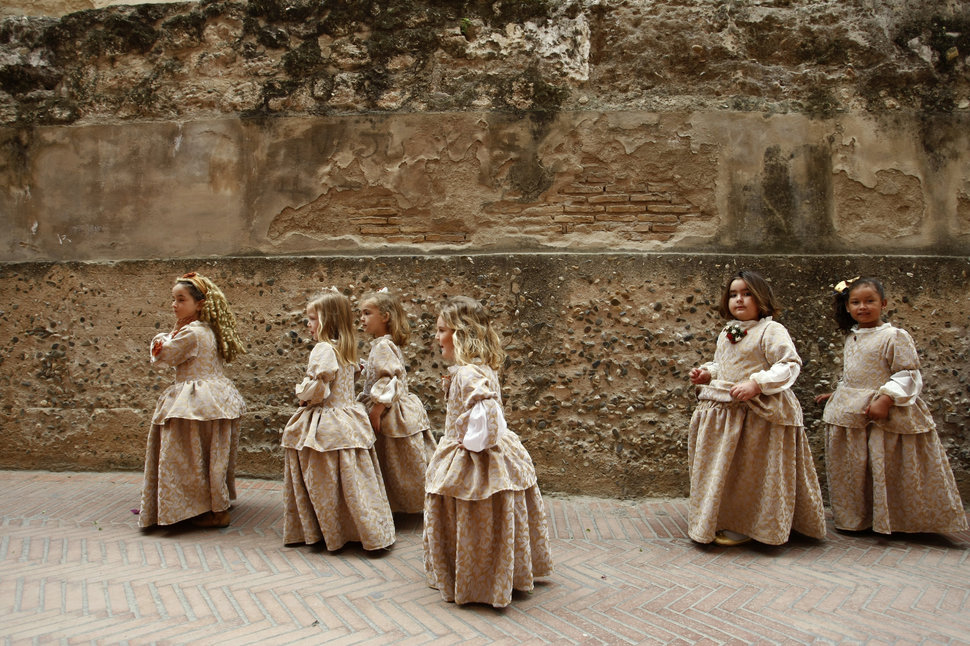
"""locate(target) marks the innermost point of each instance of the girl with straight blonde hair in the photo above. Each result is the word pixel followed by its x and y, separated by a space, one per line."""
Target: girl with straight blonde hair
pixel 333 489
pixel 404 440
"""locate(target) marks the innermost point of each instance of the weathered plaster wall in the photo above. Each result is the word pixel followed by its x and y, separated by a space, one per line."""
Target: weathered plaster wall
pixel 632 181
pixel 600 346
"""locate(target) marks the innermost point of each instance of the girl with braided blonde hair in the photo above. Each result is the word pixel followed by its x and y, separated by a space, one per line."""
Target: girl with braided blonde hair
pixel 191 455
pixel 215 311
pixel 485 528
pixel 332 485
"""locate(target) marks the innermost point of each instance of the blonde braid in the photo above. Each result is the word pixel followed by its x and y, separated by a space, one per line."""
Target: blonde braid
pixel 217 314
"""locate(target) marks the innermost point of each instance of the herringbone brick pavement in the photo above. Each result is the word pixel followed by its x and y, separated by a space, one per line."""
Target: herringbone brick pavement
pixel 74 568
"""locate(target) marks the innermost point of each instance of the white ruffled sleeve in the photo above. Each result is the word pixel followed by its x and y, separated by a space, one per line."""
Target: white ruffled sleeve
pixel 780 352
pixel 777 378
pixel 906 383
pixel 477 436
pixel 483 418
pixel 388 370
pixel 904 387
pixel 322 368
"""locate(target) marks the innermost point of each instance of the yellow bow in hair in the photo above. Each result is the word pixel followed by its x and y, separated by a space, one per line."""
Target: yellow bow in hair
pixel 844 285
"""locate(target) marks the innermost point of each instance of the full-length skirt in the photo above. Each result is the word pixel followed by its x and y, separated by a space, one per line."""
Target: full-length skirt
pixel 190 469
pixel 337 496
pixel 478 551
pixel 404 461
pixel 891 482
pixel 750 476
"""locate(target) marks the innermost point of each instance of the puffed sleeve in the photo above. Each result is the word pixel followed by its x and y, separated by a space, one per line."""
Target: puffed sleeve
pixel 483 418
pixel 388 370
pixel 906 382
pixel 321 369
pixel 176 348
pixel 785 364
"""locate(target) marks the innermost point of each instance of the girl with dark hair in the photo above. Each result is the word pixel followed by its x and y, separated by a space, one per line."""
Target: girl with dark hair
pixel 886 467
pixel 751 469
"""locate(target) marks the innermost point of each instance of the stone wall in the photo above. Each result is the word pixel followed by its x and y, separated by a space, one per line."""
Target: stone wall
pixel 600 346
pixel 593 169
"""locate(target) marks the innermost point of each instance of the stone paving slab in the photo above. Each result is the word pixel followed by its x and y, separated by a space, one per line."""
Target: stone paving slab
pixel 74 568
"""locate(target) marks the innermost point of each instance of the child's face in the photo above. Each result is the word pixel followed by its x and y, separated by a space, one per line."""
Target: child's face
pixel 312 322
pixel 443 335
pixel 184 306
pixel 865 306
pixel 741 301
pixel 372 320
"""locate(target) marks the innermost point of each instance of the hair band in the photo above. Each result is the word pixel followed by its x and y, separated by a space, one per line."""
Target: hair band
pixel 193 278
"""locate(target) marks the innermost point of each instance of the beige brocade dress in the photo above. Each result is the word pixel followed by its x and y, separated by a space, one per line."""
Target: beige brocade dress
pixel 485 528
pixel 891 475
pixel 332 489
pixel 751 468
pixel 404 443
pixel 191 454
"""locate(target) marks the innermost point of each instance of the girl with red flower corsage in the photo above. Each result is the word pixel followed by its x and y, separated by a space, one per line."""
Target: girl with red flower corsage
pixel 191 456
pixel 751 469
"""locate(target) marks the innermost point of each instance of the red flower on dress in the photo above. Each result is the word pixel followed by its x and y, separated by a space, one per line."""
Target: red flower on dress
pixel 735 333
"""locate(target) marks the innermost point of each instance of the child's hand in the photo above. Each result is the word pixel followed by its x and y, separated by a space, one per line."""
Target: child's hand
pixel 700 376
pixel 375 416
pixel 745 390
pixel 822 398
pixel 879 407
pixel 446 383
pixel 156 347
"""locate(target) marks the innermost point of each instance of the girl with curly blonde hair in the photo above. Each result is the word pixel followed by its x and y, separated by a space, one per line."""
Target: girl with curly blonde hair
pixel 191 455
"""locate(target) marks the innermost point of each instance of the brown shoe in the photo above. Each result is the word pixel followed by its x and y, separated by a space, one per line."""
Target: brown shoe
pixel 722 538
pixel 212 519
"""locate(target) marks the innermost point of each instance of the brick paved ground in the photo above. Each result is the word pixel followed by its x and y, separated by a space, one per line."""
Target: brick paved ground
pixel 74 568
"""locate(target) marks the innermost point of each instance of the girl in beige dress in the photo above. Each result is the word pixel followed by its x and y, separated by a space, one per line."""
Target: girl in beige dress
pixel 751 469
pixel 191 455
pixel 886 466
pixel 484 520
pixel 332 487
pixel 404 440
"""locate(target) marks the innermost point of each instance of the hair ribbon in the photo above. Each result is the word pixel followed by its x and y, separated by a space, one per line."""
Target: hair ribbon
pixel 844 285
